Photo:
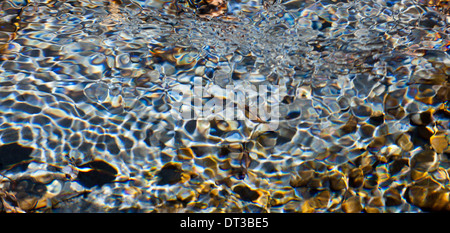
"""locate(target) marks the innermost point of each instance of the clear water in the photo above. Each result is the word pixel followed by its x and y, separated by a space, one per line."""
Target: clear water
pixel 94 89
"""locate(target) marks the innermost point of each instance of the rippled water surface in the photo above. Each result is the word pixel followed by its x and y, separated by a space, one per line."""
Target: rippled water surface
pixel 90 114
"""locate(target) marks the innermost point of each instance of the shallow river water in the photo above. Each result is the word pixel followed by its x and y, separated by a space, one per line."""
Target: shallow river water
pixel 224 106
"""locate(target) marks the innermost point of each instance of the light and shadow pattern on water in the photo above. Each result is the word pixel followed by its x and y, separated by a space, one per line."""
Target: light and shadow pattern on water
pixel 90 113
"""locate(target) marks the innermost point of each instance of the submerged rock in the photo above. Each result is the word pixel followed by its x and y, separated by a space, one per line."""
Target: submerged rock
pixel 14 154
pixel 96 173
pixel 171 173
